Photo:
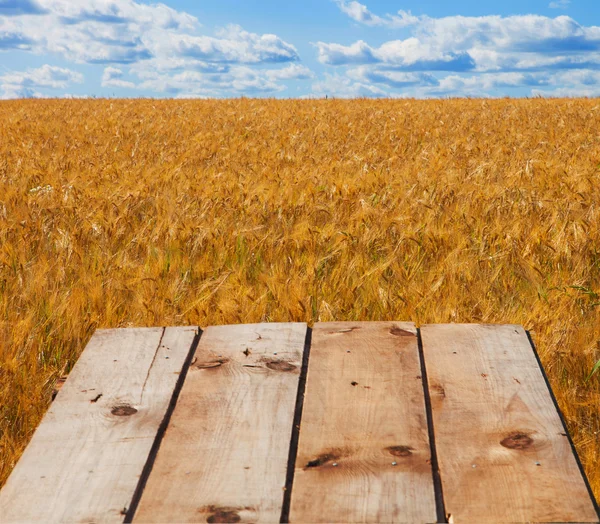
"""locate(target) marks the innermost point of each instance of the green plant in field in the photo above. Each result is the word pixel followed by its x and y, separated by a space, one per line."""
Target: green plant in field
pixel 595 370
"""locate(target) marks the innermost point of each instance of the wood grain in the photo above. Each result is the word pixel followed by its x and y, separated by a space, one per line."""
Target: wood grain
pixel 503 452
pixel 224 456
pixel 363 453
pixel 85 459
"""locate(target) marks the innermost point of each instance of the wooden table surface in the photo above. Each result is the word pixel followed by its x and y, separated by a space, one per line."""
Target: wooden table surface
pixel 344 422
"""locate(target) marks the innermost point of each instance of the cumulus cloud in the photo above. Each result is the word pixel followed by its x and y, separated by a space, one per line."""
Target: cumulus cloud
pixel 337 54
pixel 119 12
pixel 14 40
pixel 12 92
pixel 113 77
pixel 559 4
pixel 575 83
pixel 234 81
pixel 360 13
pixel 410 54
pixel 394 79
pixel 458 43
pixel 563 83
pixel 232 45
pixel 568 92
pixel 127 32
pixel 24 84
pixel 165 48
pixel 89 31
pixel 480 85
pixel 343 87
pixel 291 72
pixel 472 56
pixel 45 76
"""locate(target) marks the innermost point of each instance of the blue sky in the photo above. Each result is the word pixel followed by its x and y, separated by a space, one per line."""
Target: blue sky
pixel 312 48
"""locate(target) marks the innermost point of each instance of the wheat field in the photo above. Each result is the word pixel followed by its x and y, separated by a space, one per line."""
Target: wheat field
pixel 142 212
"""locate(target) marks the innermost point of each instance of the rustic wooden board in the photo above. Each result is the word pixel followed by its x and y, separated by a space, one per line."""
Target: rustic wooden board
pixel 364 452
pixel 224 456
pixel 84 461
pixel 503 453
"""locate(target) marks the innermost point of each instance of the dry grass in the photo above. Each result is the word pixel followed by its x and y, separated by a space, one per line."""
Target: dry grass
pixel 119 213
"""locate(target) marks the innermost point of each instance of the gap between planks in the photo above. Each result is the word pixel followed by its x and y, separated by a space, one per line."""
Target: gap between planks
pixel 137 495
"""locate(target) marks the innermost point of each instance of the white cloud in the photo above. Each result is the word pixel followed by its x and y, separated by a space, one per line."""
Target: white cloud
pixel 559 4
pixel 562 83
pixel 199 79
pixel 127 32
pixel 232 45
pixel 579 82
pixel 409 54
pixel 337 54
pixel 113 77
pixel 236 81
pixel 343 87
pixel 460 43
pixel 568 92
pixel 164 64
pixel 393 79
pixel 45 76
pixel 157 43
pixel 92 31
pixel 480 85
pixel 524 33
pixel 12 92
pixel 291 72
pixel 72 96
pixel 360 13
pixel 359 81
pixel 24 84
pixel 119 12
pixel 461 55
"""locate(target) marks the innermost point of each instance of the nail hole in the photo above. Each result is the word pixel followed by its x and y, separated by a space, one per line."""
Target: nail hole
pixel 96 398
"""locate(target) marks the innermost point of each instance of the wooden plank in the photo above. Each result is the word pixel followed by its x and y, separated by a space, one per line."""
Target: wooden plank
pixel 363 453
pixel 224 456
pixel 85 459
pixel 503 452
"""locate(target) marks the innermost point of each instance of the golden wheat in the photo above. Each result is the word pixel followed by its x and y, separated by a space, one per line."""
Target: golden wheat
pixel 136 213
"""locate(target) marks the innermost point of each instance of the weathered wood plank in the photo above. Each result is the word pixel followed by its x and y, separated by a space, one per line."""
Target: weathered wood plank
pixel 503 453
pixel 85 459
pixel 224 456
pixel 363 453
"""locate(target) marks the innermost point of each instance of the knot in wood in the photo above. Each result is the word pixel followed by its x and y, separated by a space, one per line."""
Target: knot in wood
pixel 123 410
pixel 322 459
pixel 281 365
pixel 398 332
pixel 517 440
pixel 213 364
pixel 400 451
pixel 224 515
